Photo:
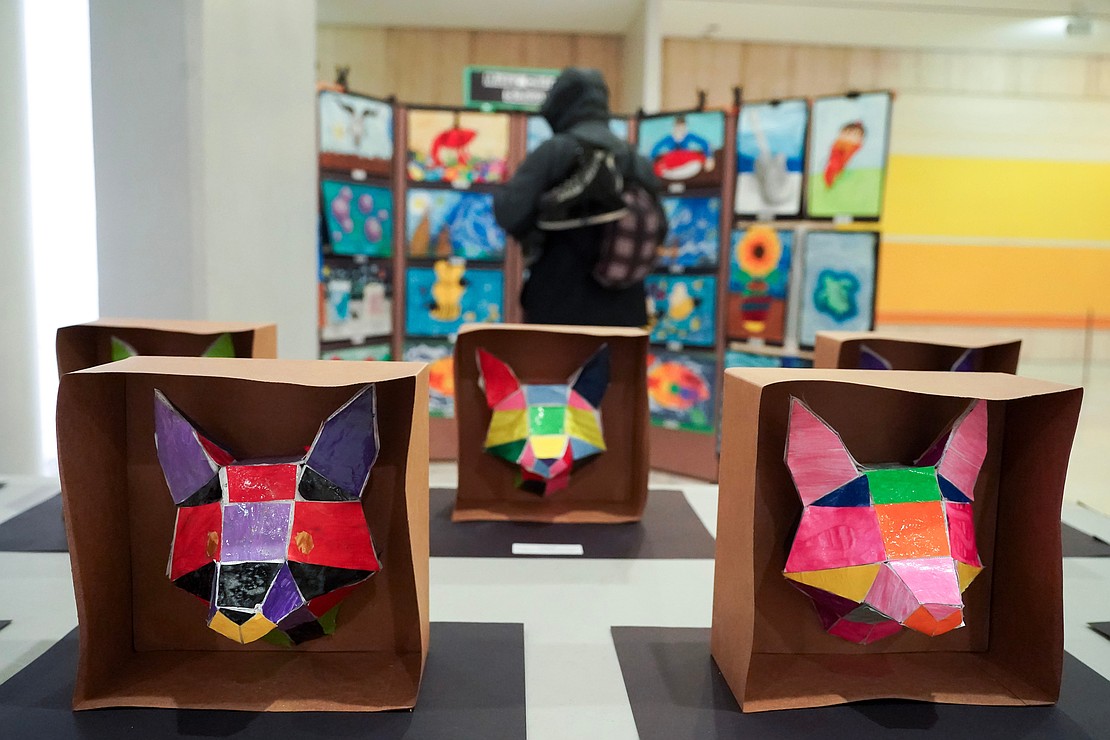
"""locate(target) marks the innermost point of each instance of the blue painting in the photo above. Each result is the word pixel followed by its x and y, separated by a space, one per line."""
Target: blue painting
pixel 539 131
pixel 734 358
pixel 355 126
pixel 838 283
pixel 693 233
pixel 682 389
pixel 441 298
pixel 446 223
pixel 685 149
pixel 359 218
pixel 770 158
pixel 682 309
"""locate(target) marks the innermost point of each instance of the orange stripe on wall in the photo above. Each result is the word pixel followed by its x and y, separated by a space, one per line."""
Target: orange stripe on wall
pixel 1015 286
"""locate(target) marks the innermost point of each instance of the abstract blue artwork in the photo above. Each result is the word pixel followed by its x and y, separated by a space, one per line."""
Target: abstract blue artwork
pixel 838 283
pixel 770 158
pixel 693 233
pixel 441 298
pixel 445 223
pixel 682 309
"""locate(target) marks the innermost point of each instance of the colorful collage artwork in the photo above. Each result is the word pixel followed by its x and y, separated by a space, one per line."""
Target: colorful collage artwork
pixel 357 301
pixel 539 131
pixel 682 390
pixel 685 149
pixel 457 148
pixel 441 298
pixel 735 358
pixel 848 156
pixel 759 277
pixel 682 309
pixel 440 356
pixel 770 152
pixel 359 218
pixel 693 232
pixel 377 351
pixel 838 283
pixel 355 126
pixel 446 223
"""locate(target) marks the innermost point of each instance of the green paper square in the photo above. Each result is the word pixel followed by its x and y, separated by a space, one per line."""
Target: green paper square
pixel 546 419
pixel 903 485
pixel 509 451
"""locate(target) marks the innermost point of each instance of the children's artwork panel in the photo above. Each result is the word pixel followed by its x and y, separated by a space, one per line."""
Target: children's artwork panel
pixel 740 358
pixel 356 300
pixel 685 149
pixel 539 131
pixel 378 351
pixel 682 309
pixel 359 218
pixel 759 278
pixel 446 223
pixel 441 298
pixel 356 126
pixel 839 270
pixel 682 390
pixel 848 151
pixel 770 158
pixel 457 148
pixel 440 357
pixel 693 232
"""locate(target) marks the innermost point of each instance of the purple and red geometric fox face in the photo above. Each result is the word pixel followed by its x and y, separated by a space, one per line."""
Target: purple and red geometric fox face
pixel 271 545
pixel 883 547
pixel 544 429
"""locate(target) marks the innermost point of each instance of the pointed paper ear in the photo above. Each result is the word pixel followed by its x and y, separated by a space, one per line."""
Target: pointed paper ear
pixel 496 378
pixel 121 350
pixel 221 347
pixel 190 462
pixel 818 461
pixel 959 455
pixel 592 379
pixel 339 461
pixel 869 359
pixel 966 362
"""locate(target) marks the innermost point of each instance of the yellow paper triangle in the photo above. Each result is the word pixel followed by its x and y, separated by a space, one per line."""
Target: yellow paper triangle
pixel 584 425
pixel 852 582
pixel 507 426
pixel 966 574
pixel 225 627
pixel 256 627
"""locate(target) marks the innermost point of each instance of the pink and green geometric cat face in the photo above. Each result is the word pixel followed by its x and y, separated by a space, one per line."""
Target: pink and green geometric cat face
pixel 880 548
pixel 221 346
pixel 271 545
pixel 544 429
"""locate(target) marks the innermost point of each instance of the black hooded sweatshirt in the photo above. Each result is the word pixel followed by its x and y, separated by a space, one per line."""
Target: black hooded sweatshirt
pixel 560 288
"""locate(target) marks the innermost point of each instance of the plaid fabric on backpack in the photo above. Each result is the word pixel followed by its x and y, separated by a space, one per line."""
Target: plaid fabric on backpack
pixel 596 192
pixel 630 245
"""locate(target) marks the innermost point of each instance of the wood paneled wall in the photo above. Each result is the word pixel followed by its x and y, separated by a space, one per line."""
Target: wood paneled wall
pixel 784 70
pixel 426 65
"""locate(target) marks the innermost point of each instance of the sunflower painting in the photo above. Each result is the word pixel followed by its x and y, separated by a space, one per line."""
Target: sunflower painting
pixel 759 278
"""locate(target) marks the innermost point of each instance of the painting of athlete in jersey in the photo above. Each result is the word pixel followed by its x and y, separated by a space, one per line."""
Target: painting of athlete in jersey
pixel 684 148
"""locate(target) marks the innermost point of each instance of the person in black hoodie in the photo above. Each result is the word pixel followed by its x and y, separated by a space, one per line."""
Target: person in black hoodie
pixel 560 288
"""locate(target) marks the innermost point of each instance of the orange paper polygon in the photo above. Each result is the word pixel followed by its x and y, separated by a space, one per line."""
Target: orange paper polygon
pixel 879 548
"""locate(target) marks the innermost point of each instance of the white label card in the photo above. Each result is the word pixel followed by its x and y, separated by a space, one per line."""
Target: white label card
pixel 539 548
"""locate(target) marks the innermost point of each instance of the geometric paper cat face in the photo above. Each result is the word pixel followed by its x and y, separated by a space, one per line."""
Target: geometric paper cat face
pixel 544 429
pixel 869 359
pixel 271 545
pixel 221 346
pixel 884 547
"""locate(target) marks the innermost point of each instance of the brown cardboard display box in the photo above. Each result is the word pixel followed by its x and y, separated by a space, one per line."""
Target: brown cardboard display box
pixel 841 349
pixel 143 640
pixel 766 636
pixel 609 488
pixel 87 345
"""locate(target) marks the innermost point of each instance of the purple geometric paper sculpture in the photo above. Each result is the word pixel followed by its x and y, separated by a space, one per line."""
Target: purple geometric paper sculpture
pixel 271 545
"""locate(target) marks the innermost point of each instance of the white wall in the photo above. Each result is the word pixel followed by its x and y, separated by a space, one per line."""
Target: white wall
pixel 19 388
pixel 643 59
pixel 204 134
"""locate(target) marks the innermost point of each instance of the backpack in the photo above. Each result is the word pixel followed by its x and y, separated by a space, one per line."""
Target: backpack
pixel 596 192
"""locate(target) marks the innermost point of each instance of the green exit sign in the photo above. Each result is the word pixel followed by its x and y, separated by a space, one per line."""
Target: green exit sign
pixel 507 88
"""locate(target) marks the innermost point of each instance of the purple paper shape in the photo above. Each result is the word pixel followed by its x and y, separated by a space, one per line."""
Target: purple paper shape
pixel 296 617
pixel 255 531
pixel 346 446
pixel 185 464
pixel 284 597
